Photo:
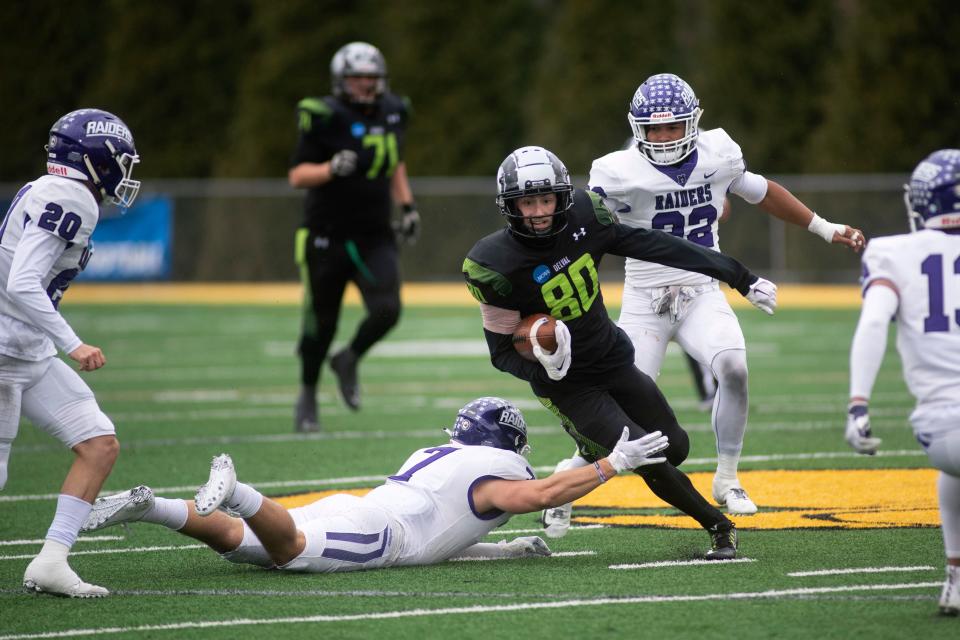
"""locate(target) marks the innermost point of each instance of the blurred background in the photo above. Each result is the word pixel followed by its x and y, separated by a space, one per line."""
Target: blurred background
pixel 837 99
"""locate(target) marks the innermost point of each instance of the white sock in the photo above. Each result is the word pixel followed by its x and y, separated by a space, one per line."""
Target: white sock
pixel 4 456
pixel 169 512
pixel 245 500
pixel 727 469
pixel 71 513
pixel 948 492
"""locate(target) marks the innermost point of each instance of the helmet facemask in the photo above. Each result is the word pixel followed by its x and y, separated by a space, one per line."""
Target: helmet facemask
pixel 358 60
pixel 662 99
pixel 531 172
pixel 126 189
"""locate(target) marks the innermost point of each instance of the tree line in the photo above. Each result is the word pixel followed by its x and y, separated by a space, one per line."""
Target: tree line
pixel 209 88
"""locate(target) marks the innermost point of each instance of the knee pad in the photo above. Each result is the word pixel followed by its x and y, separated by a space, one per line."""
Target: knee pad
pixel 730 368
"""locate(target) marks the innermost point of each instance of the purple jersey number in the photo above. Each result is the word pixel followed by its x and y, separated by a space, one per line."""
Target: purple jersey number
pixel 673 223
pixel 932 267
pixel 440 452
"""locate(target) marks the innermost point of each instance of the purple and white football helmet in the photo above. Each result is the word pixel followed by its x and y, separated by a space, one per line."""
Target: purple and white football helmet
pixel 358 59
pixel 665 98
pixel 97 147
pixel 491 422
pixel 933 194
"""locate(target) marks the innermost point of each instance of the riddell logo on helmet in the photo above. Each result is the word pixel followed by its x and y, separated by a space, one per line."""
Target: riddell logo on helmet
pixel 107 128
pixel 56 169
pixel 659 115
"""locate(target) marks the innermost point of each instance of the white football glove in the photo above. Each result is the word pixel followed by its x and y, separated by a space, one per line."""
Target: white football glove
pixel 858 434
pixel 343 163
pixel 672 300
pixel 630 454
pixel 557 363
pixel 763 295
pixel 525 547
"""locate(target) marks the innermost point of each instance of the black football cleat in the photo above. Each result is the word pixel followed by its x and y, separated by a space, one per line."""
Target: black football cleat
pixel 724 541
pixel 344 364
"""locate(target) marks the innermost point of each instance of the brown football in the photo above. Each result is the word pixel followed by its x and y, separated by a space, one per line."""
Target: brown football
pixel 546 337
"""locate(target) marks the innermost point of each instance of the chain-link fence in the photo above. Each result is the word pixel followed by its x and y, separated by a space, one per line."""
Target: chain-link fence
pixel 242 230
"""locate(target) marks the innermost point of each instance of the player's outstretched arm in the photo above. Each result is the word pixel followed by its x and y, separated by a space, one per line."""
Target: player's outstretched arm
pixel 782 204
pixel 522 547
pixel 528 496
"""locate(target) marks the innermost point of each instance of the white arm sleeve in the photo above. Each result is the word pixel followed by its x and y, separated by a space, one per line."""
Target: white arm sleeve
pixel 870 340
pixel 486 550
pixel 36 252
pixel 751 187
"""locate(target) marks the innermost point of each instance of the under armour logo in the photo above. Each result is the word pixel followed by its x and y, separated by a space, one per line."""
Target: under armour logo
pixel 321 243
pixel 579 234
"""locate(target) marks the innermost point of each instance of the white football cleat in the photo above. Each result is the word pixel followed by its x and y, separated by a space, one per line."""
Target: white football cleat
pixel 219 487
pixel 735 498
pixel 128 506
pixel 950 597
pixel 58 579
pixel 556 521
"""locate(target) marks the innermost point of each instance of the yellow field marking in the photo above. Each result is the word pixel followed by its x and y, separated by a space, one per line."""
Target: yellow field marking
pixel 848 499
pixel 793 296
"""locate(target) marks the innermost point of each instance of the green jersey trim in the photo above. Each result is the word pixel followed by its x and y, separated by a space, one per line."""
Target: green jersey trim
pixel 600 210
pixel 478 273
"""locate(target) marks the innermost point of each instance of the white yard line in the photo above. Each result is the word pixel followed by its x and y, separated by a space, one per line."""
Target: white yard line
pixel 474 610
pixel 97 552
pixel 838 572
pixel 18 543
pixel 561 554
pixel 540 529
pixel 680 563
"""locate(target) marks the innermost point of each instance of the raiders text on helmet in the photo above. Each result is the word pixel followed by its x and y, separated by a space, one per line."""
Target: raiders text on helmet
pixel 97 147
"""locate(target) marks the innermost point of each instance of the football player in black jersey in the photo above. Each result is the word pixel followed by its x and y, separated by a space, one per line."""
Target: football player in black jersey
pixel 545 261
pixel 349 158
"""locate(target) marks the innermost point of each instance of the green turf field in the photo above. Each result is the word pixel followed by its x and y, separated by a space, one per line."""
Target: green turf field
pixel 184 383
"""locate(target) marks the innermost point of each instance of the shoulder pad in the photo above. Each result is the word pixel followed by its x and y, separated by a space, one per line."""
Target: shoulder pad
pixel 600 210
pixel 310 108
pixel 479 277
pixel 78 211
pixel 721 144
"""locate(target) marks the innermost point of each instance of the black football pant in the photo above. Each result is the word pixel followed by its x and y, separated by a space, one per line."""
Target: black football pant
pixel 595 414
pixel 326 267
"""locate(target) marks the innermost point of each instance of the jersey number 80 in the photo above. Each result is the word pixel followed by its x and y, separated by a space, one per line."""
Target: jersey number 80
pixel 571 293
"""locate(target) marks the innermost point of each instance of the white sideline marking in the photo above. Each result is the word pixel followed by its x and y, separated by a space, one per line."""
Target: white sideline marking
pixel 837 572
pixel 561 554
pixel 379 478
pixel 679 563
pixel 19 543
pixel 540 529
pixel 419 613
pixel 97 552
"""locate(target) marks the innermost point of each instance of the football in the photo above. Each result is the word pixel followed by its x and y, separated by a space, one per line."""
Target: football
pixel 546 337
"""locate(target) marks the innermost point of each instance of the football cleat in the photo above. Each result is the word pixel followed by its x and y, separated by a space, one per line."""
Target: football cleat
pixel 724 541
pixel 344 364
pixel 128 506
pixel 950 596
pixel 305 413
pixel 528 546
pixel 58 579
pixel 556 521
pixel 219 487
pixel 734 497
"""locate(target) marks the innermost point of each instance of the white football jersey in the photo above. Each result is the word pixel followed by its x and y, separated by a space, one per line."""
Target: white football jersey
pixel 685 200
pixel 44 244
pixel 925 268
pixel 431 498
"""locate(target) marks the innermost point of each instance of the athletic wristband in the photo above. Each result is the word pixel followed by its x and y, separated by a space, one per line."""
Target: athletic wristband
pixel 824 228
pixel 600 474
pixel 408 207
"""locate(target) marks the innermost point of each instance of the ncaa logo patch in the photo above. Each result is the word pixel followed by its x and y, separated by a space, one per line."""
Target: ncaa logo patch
pixel 541 274
pixel 358 129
